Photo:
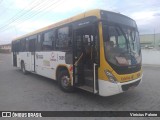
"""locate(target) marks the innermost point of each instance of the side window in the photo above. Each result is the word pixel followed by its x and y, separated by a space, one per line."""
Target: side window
pixel 31 43
pixel 27 45
pixel 39 43
pixel 23 45
pixel 49 38
pixel 13 46
pixel 17 46
pixel 88 39
pixel 64 40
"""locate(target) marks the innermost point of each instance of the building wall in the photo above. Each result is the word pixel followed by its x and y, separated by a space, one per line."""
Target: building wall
pixel 150 40
pixel 150 57
pixel 5 48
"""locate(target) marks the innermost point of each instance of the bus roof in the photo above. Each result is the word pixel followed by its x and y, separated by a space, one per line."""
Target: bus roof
pixel 95 12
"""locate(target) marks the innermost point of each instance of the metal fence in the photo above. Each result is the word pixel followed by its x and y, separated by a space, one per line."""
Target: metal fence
pixel 150 41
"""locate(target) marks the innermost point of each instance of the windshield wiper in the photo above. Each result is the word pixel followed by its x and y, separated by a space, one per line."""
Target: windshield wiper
pixel 127 40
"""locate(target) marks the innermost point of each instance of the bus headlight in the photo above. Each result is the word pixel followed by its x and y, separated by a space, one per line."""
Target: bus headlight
pixel 111 78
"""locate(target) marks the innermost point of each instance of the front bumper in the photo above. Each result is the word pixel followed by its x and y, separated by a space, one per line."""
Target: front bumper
pixel 107 88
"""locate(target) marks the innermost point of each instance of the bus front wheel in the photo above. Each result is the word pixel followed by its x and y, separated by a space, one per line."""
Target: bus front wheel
pixel 64 81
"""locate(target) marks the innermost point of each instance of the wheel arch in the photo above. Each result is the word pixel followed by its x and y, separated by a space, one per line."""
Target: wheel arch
pixel 22 61
pixel 63 67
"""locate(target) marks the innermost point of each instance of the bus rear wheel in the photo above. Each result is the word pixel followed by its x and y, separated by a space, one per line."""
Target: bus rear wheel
pixel 23 68
pixel 64 81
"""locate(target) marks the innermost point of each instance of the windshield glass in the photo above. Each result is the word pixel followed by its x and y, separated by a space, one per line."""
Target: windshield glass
pixel 121 44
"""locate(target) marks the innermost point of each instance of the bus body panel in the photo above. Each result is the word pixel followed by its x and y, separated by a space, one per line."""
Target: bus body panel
pixel 26 58
pixel 47 62
pixel 107 88
pixel 43 65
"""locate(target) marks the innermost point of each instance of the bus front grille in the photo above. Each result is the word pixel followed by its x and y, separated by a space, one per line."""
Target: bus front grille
pixel 128 86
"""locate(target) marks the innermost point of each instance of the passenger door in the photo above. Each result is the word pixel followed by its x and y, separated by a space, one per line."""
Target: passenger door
pixel 32 41
pixel 85 67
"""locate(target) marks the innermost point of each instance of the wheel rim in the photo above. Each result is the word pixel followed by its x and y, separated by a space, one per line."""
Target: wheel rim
pixel 65 81
pixel 23 69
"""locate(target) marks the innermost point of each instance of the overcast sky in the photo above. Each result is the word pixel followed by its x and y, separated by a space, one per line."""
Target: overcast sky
pixel 18 17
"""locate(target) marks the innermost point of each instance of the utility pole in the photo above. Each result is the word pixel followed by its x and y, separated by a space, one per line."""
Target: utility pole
pixel 154 39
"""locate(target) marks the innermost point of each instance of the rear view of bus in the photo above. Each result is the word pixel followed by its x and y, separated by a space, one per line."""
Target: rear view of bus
pixel 120 54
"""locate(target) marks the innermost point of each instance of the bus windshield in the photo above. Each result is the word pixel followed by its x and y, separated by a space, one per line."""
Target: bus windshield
pixel 121 45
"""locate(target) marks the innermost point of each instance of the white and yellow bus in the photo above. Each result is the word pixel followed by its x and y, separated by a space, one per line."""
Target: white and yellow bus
pixel 97 51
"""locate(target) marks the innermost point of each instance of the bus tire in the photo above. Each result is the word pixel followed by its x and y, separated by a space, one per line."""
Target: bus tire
pixel 23 68
pixel 64 81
